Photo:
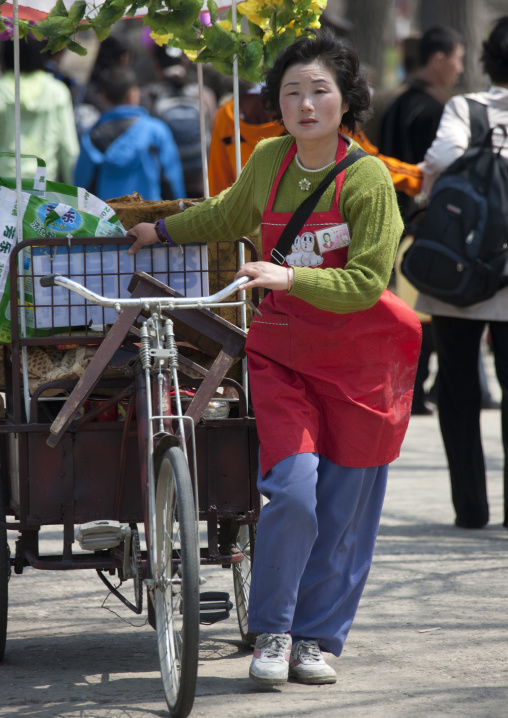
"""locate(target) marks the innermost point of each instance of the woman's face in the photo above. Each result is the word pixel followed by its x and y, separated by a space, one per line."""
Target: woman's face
pixel 310 101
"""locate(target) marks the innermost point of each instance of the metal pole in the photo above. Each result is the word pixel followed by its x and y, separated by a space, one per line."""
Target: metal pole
pixel 15 312
pixel 202 129
pixel 238 160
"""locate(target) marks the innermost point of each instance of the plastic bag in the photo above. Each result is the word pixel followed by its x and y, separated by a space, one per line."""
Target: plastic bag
pixel 49 209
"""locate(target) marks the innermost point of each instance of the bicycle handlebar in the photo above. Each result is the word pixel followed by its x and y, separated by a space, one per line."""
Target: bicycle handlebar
pixel 53 280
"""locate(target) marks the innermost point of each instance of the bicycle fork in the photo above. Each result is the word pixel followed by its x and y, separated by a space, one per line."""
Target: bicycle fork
pixel 158 350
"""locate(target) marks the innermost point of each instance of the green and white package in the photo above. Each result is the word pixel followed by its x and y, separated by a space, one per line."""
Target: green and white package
pixel 49 210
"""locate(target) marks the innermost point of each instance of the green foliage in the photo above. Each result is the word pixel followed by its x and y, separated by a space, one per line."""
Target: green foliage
pixel 77 11
pixel 250 59
pixel 255 30
pixel 220 42
pixel 59 9
pixel 272 26
pixel 214 10
pixel 276 44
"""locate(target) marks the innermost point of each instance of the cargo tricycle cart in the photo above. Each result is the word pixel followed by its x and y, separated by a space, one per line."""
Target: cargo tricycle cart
pixel 127 424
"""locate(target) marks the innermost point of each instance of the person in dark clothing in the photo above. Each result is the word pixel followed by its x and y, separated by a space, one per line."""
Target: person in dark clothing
pixel 407 131
pixel 411 121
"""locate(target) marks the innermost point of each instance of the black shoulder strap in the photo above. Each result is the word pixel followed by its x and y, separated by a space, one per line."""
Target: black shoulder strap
pixel 479 121
pixel 301 215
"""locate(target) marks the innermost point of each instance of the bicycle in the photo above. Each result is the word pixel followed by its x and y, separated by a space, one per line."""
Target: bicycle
pixel 170 495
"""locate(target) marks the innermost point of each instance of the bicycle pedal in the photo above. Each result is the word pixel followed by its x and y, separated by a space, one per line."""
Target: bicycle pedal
pixel 214 606
pixel 100 535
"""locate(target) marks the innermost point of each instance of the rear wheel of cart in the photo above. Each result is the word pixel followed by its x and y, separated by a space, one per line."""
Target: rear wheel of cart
pixel 176 587
pixel 245 542
pixel 5 572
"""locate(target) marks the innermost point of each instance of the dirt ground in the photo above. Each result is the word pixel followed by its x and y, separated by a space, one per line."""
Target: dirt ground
pixel 430 638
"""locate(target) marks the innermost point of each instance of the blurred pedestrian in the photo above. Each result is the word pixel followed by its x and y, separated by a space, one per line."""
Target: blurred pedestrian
pixel 114 51
pixel 127 150
pixel 174 98
pixel 47 126
pixel 458 331
pixel 407 129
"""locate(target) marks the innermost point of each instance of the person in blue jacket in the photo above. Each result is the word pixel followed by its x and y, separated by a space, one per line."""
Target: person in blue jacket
pixel 127 150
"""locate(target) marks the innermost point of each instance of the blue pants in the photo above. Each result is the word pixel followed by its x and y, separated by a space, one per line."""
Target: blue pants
pixel 314 548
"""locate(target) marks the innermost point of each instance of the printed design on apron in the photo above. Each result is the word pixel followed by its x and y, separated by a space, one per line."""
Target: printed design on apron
pixel 305 251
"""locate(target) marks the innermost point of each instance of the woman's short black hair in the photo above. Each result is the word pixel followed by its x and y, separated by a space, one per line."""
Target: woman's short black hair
pixel 495 52
pixel 338 57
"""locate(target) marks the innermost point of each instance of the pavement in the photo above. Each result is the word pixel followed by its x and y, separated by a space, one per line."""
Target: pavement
pixel 430 638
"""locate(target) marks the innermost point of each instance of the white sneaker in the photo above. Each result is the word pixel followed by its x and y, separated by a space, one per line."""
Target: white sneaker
pixel 270 663
pixel 307 664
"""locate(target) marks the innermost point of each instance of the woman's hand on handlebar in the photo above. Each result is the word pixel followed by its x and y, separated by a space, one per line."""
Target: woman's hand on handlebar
pixel 144 234
pixel 264 274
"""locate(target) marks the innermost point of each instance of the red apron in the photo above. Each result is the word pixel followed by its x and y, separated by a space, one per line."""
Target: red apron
pixel 339 385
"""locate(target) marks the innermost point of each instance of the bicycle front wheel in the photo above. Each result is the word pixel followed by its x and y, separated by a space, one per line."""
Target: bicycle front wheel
pixel 176 586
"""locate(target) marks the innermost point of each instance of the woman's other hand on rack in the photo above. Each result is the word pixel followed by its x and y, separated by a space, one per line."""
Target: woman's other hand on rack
pixel 144 234
pixel 267 275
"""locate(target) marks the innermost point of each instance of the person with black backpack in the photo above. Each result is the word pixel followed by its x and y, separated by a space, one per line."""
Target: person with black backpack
pixel 465 249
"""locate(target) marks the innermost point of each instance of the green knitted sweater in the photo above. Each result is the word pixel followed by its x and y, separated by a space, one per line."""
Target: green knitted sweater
pixel 367 202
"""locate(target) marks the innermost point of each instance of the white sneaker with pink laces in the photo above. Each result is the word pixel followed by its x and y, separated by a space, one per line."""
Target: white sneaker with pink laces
pixel 270 663
pixel 307 664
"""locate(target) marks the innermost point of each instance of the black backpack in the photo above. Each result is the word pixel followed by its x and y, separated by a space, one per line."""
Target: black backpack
pixel 461 245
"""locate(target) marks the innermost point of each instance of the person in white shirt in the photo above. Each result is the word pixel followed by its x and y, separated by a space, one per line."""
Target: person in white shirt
pixel 458 331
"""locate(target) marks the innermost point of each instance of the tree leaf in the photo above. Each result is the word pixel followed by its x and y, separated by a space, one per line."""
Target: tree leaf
pixel 225 68
pixel 284 17
pixel 59 10
pixel 273 22
pixel 107 15
pixel 219 40
pixel 101 31
pixel 77 48
pixel 254 29
pixel 276 44
pixel 56 45
pixel 250 61
pixel 214 10
pixel 55 27
pixel 178 17
pixel 77 11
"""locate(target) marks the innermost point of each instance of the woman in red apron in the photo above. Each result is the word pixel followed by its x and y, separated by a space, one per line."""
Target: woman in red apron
pixel 332 395
pixel 332 359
